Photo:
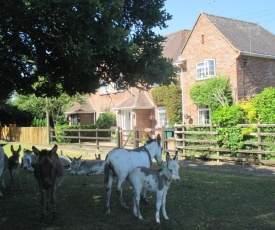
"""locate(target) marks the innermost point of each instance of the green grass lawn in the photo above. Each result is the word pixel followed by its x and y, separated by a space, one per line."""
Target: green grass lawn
pixel 203 199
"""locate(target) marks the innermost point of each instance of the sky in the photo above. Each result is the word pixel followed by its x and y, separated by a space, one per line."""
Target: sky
pixel 186 12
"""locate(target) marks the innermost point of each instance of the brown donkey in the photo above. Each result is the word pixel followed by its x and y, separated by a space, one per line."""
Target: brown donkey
pixel 49 173
pixel 14 167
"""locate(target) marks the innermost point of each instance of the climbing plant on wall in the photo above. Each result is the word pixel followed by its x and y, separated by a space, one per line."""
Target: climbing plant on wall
pixel 170 97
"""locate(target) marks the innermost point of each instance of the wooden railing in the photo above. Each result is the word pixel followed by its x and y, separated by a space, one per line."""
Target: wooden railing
pixel 97 138
pixel 192 141
pixel 201 141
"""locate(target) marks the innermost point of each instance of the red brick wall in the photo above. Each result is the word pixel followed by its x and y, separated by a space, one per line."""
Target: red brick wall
pixel 258 73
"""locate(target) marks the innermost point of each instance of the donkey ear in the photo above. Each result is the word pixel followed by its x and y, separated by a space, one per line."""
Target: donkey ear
pixel 19 149
pixel 176 156
pixel 54 149
pixel 35 150
pixel 167 157
pixel 79 158
pixel 70 158
pixel 150 138
pixel 158 138
pixel 12 150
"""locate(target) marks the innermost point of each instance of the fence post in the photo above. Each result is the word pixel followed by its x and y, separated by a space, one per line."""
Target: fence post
pixel 119 133
pixel 259 141
pixel 79 136
pixel 136 137
pixel 97 140
pixel 10 132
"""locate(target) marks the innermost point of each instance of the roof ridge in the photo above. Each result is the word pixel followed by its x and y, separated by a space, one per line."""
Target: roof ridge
pixel 256 24
pixel 184 30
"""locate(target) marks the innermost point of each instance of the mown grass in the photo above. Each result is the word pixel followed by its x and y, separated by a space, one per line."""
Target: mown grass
pixel 203 199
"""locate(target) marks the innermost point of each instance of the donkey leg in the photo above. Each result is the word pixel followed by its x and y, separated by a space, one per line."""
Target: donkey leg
pixel 158 204
pixel 144 196
pixel 18 180
pixel 53 202
pixel 119 191
pixel 109 191
pixel 137 199
pixel 3 181
pixel 42 203
pixel 163 206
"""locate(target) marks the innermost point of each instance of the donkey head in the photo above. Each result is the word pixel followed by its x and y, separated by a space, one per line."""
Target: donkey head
pixel 45 166
pixel 15 154
pixel 173 166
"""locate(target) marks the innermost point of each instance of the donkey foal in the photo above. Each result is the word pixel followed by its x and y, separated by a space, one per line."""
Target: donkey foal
pixel 14 167
pixel 156 181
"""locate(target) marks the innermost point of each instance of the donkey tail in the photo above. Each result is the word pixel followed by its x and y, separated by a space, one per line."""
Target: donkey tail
pixel 106 173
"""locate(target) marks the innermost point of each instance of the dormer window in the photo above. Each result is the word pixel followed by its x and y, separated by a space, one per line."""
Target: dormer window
pixel 206 69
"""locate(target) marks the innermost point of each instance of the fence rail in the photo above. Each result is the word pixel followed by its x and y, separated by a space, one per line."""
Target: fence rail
pixel 256 151
pixel 192 141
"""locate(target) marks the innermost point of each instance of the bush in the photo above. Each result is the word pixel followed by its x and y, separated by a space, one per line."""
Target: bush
pixel 265 105
pixel 106 120
pixel 228 116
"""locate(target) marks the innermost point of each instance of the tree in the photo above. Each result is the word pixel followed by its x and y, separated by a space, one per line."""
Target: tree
pixel 79 43
pixel 38 105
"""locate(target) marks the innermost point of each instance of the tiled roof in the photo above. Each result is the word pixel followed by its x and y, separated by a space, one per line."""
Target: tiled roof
pixel 139 101
pixel 86 107
pixel 174 43
pixel 244 36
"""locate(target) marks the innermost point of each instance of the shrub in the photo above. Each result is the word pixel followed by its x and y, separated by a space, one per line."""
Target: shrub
pixel 265 106
pixel 228 116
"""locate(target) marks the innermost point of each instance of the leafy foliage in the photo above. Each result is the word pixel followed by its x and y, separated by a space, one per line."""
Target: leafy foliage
pixel 75 44
pixel 106 120
pixel 214 92
pixel 10 114
pixel 39 105
pixel 250 113
pixel 228 116
pixel 170 97
pixel 265 105
pixel 230 135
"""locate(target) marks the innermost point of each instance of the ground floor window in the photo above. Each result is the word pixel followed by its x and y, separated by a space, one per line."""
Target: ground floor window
pixel 204 114
pixel 162 117
pixel 74 119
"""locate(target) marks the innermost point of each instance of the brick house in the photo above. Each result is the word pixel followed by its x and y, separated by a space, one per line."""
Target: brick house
pixel 132 107
pixel 217 46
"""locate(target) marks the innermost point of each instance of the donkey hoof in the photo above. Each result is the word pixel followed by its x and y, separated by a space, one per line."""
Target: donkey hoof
pixel 108 211
pixel 54 215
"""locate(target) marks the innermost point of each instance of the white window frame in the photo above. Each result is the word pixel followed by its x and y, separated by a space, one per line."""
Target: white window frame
pixel 203 115
pixel 104 88
pixel 206 69
pixel 117 88
pixel 162 116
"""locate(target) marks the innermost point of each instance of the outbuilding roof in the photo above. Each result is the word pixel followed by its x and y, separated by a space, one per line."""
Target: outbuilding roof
pixel 85 107
pixel 139 101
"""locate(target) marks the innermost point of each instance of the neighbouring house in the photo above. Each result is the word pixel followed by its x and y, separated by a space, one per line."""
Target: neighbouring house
pixel 133 107
pixel 217 46
pixel 83 113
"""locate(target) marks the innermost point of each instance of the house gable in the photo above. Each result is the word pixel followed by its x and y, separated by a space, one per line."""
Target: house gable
pixel 250 68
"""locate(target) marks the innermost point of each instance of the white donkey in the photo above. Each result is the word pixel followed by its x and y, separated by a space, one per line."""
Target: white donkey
pixel 156 181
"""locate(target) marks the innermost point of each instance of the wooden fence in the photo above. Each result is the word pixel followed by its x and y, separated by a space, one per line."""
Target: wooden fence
pixel 192 141
pixel 112 138
pixel 202 141
pixel 33 135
